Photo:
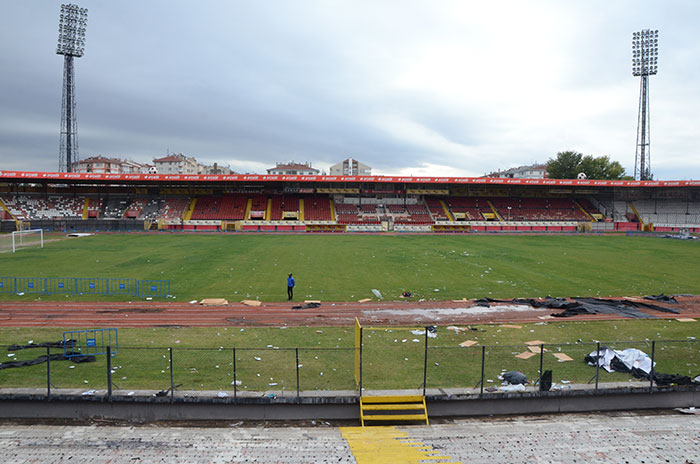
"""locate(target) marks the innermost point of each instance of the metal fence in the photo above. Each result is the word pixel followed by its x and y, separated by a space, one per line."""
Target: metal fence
pixel 289 371
pixel 85 286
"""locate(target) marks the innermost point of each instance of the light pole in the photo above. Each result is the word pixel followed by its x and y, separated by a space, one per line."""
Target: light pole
pixel 71 43
pixel 645 52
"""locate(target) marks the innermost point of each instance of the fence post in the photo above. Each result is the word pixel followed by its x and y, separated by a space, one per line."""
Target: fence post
pixel 296 350
pixel 597 365
pixel 483 358
pixel 172 380
pixel 425 362
pixel 235 379
pixel 109 373
pixel 541 359
pixel 48 374
pixel 361 332
pixel 651 373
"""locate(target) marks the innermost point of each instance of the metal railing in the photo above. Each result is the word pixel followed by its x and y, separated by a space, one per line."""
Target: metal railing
pixel 85 286
pixel 289 371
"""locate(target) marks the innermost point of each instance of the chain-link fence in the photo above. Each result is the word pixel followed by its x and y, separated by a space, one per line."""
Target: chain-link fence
pixel 408 362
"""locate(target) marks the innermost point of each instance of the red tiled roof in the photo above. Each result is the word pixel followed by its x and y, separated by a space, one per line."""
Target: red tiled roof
pixel 168 159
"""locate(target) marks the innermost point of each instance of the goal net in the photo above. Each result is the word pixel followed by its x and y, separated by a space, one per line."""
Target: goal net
pixel 27 238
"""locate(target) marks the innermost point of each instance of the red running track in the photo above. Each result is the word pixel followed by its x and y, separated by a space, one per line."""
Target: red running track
pixel 169 314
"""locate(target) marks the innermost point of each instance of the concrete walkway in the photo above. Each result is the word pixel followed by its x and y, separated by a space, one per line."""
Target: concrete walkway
pixel 571 438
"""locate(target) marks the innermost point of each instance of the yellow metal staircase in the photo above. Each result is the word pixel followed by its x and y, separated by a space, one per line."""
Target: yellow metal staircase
pixel 495 211
pixel 450 217
pixel 187 215
pixel 393 408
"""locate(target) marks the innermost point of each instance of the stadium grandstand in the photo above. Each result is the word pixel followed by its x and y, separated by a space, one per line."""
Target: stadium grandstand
pixel 289 203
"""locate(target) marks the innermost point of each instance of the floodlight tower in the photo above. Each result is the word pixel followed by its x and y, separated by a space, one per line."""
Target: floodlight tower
pixel 645 53
pixel 71 43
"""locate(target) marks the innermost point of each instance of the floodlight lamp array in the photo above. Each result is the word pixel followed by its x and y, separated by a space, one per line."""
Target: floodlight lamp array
pixel 645 52
pixel 72 23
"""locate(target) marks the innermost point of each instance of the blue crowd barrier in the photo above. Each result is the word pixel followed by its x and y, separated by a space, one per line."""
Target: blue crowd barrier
pixel 85 286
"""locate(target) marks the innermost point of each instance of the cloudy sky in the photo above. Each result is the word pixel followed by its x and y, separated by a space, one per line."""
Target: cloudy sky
pixel 409 87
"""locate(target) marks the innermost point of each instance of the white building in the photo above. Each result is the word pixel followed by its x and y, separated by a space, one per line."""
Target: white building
pixel 176 164
pixel 535 171
pixel 105 165
pixel 350 167
pixel 293 169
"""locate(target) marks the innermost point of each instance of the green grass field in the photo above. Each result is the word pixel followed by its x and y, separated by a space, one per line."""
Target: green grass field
pixel 347 267
pixel 393 357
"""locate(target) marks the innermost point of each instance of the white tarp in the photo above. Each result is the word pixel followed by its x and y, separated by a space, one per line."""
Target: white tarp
pixel 631 357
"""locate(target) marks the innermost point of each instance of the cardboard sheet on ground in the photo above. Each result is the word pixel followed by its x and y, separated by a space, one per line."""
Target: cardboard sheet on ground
pixel 685 319
pixel 536 349
pixel 251 302
pixel 563 357
pixel 312 301
pixel 468 343
pixel 364 300
pixel 525 355
pixel 535 342
pixel 214 302
pixel 511 326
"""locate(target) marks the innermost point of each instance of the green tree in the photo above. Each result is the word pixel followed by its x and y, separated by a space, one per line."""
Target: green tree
pixel 565 165
pixel 568 164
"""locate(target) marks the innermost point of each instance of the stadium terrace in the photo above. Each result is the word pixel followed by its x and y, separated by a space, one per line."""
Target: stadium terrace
pixel 296 203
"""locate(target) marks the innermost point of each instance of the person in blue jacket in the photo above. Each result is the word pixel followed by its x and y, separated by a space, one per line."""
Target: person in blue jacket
pixel 290 286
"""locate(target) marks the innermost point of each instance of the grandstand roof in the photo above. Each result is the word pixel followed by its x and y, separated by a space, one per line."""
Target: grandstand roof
pixel 68 177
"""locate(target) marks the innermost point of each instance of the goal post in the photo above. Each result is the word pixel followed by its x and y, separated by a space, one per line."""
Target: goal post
pixel 27 238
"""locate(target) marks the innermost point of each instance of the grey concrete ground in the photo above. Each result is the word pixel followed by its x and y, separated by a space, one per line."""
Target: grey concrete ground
pixel 571 438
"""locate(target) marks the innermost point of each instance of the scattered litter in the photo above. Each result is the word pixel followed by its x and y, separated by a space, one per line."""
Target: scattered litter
pixel 463 300
pixel 148 298
pixel 89 392
pixel 319 331
pixel 257 358
pixel 11 355
pixel 535 342
pixel 236 383
pixel 193 302
pixel 685 319
pixel 536 349
pixel 71 367
pixel 406 295
pixel 377 293
pixel 468 343
pixel 130 394
pixel 214 302
pixel 272 384
pixel 318 302
pixel 690 410
pixel 307 305
pixel 545 317
pixel 514 377
pixel 364 300
pixel 525 355
pixel 565 381
pixel 562 357
pixel 251 302
pixel 512 388
pixel 415 340
pixel 456 329
pixel 511 326
pixel 222 394
pixel 431 334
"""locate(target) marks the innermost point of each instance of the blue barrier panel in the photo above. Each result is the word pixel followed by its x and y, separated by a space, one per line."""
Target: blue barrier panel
pixel 61 285
pixel 153 288
pixel 90 342
pixel 92 286
pixel 7 284
pixel 122 287
pixel 31 284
